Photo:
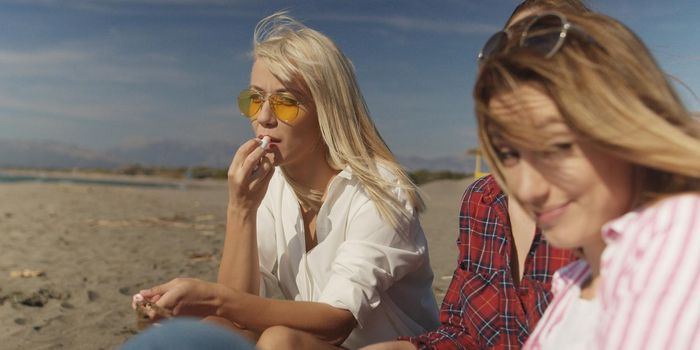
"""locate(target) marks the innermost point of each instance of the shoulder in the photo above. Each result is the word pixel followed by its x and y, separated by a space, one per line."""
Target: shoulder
pixel 678 207
pixel 485 189
pixel 675 213
pixel 386 172
pixel 483 193
pixel 388 178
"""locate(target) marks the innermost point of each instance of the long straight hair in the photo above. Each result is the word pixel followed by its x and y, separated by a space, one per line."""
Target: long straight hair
pixel 300 56
pixel 610 91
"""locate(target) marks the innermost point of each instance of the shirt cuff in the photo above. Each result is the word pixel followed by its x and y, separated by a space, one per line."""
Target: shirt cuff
pixel 345 294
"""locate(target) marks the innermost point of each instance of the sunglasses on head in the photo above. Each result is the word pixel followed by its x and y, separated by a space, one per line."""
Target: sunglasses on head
pixel 544 33
pixel 284 105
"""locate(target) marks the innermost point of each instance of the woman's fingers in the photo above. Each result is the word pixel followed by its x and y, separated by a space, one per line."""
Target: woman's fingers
pixel 252 162
pixel 263 173
pixel 148 294
pixel 243 152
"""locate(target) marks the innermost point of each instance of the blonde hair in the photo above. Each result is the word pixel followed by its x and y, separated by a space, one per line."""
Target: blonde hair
pixel 610 91
pixel 313 66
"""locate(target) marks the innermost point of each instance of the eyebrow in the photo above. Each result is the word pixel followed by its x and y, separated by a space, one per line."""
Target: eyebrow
pixel 255 87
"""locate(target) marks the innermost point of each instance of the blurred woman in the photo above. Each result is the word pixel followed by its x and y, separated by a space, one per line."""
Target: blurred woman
pixel 582 128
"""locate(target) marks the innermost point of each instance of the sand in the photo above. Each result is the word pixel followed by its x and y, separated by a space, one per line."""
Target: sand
pixel 93 246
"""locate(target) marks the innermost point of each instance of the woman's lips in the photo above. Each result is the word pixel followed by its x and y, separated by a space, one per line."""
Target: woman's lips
pixel 547 218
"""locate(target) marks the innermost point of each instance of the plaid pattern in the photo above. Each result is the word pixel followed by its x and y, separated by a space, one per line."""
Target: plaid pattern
pixel 483 307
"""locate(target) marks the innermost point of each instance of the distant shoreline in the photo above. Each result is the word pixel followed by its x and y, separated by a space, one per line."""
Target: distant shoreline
pixel 168 177
pixel 101 178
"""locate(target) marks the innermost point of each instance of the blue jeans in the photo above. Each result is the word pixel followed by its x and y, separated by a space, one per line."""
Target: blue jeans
pixel 186 334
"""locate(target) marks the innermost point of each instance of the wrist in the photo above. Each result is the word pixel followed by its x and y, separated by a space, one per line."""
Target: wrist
pixel 226 302
pixel 241 213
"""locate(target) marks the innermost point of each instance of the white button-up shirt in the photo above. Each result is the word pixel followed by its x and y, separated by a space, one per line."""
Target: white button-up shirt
pixel 361 263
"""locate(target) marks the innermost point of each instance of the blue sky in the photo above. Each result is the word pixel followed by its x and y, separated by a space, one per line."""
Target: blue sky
pixel 107 73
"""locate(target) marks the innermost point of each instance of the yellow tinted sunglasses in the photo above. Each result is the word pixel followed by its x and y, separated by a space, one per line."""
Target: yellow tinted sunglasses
pixel 284 106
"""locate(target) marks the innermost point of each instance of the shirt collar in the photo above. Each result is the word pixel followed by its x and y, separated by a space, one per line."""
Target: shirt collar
pixel 346 173
pixel 612 231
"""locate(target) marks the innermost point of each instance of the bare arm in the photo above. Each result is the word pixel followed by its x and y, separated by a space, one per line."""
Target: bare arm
pixel 239 262
pixel 256 313
pixel 391 345
pixel 248 177
pixel 194 297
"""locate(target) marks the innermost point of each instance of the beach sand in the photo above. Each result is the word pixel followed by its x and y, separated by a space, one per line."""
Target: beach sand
pixel 94 246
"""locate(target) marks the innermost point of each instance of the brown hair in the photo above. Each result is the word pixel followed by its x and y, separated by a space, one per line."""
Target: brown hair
pixel 610 91
pixel 567 6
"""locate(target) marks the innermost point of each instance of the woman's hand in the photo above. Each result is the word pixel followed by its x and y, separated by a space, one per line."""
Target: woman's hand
pixel 183 297
pixel 249 174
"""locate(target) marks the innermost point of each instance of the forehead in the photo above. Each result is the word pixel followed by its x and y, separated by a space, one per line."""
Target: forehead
pixel 261 72
pixel 525 104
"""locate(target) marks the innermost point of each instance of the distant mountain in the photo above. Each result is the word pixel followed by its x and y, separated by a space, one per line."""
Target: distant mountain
pixel 51 154
pixel 462 163
pixel 168 153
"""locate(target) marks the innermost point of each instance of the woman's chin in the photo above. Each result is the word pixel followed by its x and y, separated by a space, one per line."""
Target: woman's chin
pixel 560 238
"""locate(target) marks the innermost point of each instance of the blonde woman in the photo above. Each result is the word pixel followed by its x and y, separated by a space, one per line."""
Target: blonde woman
pixel 584 130
pixel 320 213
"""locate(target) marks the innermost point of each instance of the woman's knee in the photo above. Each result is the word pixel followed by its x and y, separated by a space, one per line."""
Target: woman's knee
pixel 280 337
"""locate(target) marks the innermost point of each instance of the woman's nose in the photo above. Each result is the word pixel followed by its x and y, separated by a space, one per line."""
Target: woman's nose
pixel 266 115
pixel 531 187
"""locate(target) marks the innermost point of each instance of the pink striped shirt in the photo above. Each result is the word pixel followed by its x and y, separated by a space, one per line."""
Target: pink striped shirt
pixel 650 281
pixel 566 287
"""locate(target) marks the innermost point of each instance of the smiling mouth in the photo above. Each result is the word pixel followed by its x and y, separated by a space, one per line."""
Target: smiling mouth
pixel 548 217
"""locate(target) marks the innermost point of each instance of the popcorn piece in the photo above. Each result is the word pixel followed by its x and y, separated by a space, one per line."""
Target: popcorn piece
pixel 137 298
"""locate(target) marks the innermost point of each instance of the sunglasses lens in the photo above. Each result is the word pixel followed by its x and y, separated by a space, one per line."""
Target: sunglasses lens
pixel 286 108
pixel 544 34
pixel 249 103
pixel 495 44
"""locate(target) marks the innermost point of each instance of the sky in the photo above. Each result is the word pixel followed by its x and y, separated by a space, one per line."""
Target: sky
pixel 102 74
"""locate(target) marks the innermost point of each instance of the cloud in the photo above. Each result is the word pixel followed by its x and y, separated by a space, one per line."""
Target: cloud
pixel 78 84
pixel 80 65
pixel 414 24
pixel 68 105
pixel 80 3
pixel 132 8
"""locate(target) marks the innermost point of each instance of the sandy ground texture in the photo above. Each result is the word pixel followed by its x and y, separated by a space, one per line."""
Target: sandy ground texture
pixel 72 255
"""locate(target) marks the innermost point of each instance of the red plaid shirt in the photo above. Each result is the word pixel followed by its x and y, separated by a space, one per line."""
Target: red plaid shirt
pixel 483 308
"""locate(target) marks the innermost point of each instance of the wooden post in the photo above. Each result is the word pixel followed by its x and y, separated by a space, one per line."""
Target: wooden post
pixel 476 152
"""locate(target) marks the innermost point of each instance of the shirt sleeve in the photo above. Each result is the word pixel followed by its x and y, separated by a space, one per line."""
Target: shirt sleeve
pixel 461 311
pixel 267 251
pixel 455 331
pixel 373 257
pixel 651 302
